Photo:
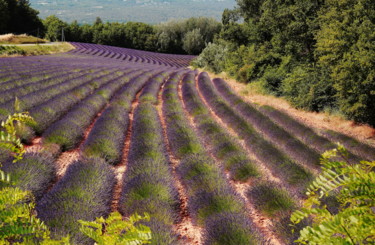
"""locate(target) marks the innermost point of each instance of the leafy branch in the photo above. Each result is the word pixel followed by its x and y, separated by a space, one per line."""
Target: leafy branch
pixel 115 230
pixel 355 221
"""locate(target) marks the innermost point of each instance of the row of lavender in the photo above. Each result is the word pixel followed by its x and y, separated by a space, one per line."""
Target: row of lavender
pixel 92 201
pixel 64 100
pixel 268 197
pixel 290 135
pixel 213 204
pixel 268 136
pixel 148 183
pixel 85 191
pixel 131 55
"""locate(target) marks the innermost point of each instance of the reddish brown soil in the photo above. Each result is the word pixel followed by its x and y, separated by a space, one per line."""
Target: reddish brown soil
pixel 68 157
pixel 188 233
pixel 35 146
pixel 121 168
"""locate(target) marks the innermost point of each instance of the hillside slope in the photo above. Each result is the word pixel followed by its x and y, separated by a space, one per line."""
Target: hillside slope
pixel 133 131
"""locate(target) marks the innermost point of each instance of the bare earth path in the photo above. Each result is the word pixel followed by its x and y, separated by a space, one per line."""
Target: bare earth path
pixel 68 157
pixel 121 168
pixel 187 231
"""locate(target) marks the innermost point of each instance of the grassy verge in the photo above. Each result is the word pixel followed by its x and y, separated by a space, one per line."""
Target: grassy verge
pixel 31 50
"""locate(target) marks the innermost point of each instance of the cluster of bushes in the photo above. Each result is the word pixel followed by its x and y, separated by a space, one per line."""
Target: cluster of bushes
pixel 317 54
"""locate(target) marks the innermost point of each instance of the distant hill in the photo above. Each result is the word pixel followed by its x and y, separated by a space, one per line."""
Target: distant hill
pixel 148 11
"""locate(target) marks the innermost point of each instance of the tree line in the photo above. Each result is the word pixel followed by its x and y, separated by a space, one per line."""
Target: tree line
pixel 188 36
pixel 319 55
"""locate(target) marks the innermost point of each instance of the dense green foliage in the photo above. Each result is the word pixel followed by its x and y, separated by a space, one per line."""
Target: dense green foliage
pixel 354 187
pixel 116 230
pixel 318 54
pixel 16 16
pixel 183 36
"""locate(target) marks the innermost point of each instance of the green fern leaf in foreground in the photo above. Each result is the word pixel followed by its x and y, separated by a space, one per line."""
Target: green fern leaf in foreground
pixel 354 223
pixel 115 230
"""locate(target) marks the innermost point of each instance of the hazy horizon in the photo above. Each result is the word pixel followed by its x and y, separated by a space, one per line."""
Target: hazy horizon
pixel 148 11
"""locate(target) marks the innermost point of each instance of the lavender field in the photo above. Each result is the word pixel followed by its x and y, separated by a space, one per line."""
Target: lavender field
pixel 133 131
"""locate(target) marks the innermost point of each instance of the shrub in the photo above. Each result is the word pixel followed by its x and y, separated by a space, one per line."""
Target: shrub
pixel 211 58
pixel 33 173
pixel 307 88
pixel 17 220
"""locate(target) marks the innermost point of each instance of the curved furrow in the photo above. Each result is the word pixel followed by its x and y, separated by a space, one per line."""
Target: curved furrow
pixel 281 166
pixel 212 203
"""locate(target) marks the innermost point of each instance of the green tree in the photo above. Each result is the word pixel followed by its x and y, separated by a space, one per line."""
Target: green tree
pixel 170 35
pixel 212 58
pixel 74 32
pixel 16 16
pixel 4 16
pixel 53 28
pixel 193 42
pixel 346 46
pixel 354 187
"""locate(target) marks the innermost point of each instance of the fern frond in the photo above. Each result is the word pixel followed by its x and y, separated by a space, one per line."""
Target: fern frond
pixel 355 221
pixel 115 230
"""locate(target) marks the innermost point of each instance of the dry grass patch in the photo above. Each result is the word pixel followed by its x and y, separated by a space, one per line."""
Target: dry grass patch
pixel 20 39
